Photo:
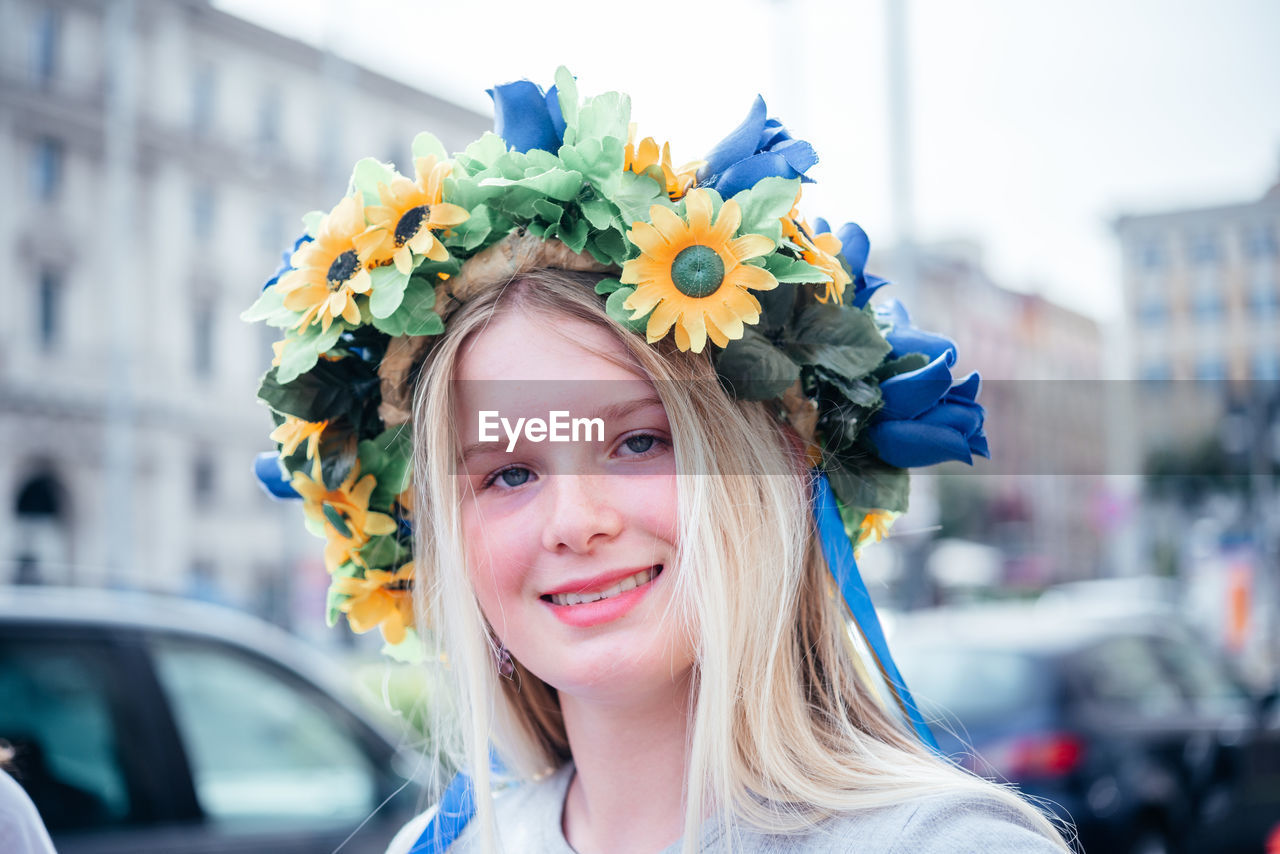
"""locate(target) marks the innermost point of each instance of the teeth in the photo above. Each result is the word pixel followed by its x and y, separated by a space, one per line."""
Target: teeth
pixel 631 582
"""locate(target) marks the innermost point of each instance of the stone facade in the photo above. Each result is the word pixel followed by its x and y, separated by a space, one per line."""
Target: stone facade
pixel 137 227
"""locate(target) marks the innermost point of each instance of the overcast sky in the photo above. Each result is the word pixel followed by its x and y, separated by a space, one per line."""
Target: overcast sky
pixel 1035 122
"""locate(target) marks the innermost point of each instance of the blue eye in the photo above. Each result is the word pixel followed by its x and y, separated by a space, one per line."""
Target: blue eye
pixel 511 477
pixel 641 443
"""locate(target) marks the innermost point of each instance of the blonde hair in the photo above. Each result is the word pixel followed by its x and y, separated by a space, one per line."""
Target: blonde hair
pixel 786 730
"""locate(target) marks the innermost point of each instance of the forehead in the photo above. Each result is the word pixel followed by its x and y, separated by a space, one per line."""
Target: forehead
pixel 530 346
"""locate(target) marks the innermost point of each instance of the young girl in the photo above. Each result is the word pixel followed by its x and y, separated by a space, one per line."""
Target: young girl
pixel 623 387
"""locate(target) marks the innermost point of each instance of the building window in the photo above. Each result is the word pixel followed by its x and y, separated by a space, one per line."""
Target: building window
pixel 203 483
pixel 1266 366
pixel 1154 371
pixel 46 168
pixel 1260 242
pixel 202 339
pixel 1263 287
pixel 1151 256
pixel 1206 296
pixel 269 108
pixel 44 45
pixel 204 209
pixel 1152 312
pixel 1204 249
pixel 204 93
pixel 48 304
pixel 1211 368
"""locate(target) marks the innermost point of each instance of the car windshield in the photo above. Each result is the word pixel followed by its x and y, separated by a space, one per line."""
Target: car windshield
pixel 972 685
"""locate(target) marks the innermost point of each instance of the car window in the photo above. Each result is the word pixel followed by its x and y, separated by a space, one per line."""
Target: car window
pixel 1124 673
pixel 974 685
pixel 58 714
pixel 262 745
pixel 1204 679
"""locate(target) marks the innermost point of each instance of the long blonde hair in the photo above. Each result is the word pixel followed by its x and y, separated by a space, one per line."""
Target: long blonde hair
pixel 786 729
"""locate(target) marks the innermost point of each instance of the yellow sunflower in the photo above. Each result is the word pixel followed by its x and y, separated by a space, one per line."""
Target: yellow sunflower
pixel 410 213
pixel 294 431
pixel 329 271
pixel 820 250
pixel 874 529
pixel 348 521
pixel 379 599
pixel 640 158
pixel 690 274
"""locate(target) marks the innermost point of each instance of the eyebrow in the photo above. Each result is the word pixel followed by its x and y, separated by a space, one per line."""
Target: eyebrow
pixel 611 412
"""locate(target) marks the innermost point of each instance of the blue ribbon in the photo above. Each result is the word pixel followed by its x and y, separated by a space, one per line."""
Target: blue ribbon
pixel 839 553
pixel 457 806
pixel 459 803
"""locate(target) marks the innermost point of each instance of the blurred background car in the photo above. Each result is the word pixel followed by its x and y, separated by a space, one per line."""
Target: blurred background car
pixel 150 724
pixel 1118 717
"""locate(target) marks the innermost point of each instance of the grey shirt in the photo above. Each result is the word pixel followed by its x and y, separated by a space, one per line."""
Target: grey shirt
pixel 528 819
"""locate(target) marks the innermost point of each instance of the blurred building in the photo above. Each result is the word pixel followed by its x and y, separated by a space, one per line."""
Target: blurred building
pixel 1036 499
pixel 158 154
pixel 1202 319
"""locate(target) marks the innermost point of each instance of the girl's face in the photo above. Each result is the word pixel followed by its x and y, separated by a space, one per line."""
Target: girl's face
pixel 570 544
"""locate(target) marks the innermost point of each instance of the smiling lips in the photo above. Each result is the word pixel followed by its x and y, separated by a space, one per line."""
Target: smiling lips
pixel 602 599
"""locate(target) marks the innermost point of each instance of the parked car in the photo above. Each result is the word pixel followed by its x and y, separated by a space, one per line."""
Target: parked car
pixel 1124 722
pixel 148 724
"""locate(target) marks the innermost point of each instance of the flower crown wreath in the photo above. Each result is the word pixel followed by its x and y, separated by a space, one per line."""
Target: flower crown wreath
pixel 711 250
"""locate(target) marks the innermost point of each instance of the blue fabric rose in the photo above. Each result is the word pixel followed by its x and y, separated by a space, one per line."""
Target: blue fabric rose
pixel 526 118
pixel 270 474
pixel 758 148
pixel 855 246
pixel 928 417
pixel 287 256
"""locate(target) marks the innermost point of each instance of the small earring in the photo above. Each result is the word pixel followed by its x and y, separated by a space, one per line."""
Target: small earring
pixel 501 657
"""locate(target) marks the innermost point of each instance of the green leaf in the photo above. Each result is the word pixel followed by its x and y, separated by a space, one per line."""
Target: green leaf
pixel 557 184
pixel 473 232
pixel 635 195
pixel 609 247
pixel 548 210
pixel 389 458
pixel 328 392
pixel 301 352
pixel 425 144
pixel 901 365
pixel 754 369
pixel 605 115
pixel 567 94
pixel 573 235
pixel 844 340
pixel 786 269
pixel 608 286
pixel 366 177
pixel 776 307
pixel 335 519
pixel 311 222
pixel 387 290
pixel 615 309
pixel 424 323
pixel 869 483
pixel 269 307
pixel 482 153
pixel 337 456
pixel 600 213
pixel 408 651
pixel 764 205
pixel 599 160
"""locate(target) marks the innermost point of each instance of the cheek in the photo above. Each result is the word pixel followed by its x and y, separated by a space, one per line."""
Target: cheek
pixel 496 559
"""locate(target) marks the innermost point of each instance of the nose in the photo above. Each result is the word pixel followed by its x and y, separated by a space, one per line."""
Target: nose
pixel 582 514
